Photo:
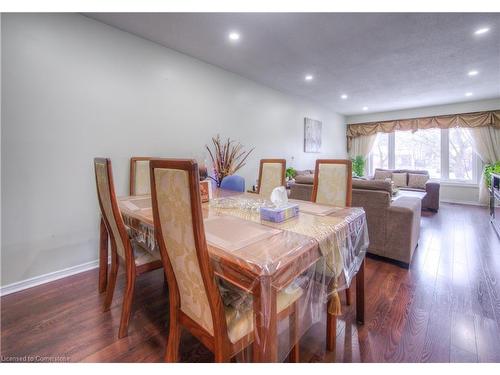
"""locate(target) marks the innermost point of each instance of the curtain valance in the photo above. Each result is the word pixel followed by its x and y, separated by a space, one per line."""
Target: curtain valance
pixel 461 120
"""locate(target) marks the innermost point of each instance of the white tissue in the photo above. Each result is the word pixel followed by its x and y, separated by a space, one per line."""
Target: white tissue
pixel 279 196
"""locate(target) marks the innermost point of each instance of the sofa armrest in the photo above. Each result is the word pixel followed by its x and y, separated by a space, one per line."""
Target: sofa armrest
pixel 431 186
pixel 431 199
pixel 301 191
pixel 403 228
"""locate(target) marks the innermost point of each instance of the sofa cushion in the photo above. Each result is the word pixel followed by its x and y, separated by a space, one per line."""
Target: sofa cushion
pixel 382 174
pixel 417 180
pixel 305 179
pixel 412 203
pixel 399 179
pixel 407 188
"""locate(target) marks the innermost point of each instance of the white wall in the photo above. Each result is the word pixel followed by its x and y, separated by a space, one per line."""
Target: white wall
pixel 74 88
pixel 449 192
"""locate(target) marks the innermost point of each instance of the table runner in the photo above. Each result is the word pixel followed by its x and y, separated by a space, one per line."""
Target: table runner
pixel 231 233
pixel 342 235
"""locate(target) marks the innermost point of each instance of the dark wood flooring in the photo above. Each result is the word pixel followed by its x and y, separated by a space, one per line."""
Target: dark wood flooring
pixel 445 308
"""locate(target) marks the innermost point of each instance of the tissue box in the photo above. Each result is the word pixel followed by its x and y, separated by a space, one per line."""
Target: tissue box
pixel 279 214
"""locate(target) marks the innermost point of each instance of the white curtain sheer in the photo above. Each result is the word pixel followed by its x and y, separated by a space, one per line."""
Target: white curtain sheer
pixel 362 145
pixel 486 144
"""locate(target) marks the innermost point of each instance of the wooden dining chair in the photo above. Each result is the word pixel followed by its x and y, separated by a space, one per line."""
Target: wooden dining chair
pixel 195 299
pixel 139 184
pixel 139 175
pixel 333 182
pixel 333 186
pixel 137 260
pixel 271 175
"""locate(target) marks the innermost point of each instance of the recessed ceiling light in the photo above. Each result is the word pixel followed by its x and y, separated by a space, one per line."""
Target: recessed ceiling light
pixel 234 36
pixel 365 108
pixel 309 77
pixel 473 73
pixel 468 94
pixel 482 30
pixel 343 96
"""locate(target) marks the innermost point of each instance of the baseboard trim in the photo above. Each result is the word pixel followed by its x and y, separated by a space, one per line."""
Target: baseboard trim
pixel 469 203
pixel 47 278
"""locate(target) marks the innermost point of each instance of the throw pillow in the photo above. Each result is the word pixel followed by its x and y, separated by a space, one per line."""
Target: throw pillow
pixel 380 174
pixel 399 179
pixel 417 180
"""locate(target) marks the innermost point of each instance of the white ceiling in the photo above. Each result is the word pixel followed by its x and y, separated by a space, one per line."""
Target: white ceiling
pixel 382 61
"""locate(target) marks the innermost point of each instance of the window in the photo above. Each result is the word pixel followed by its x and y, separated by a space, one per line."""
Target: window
pixel 461 160
pixel 419 150
pixel 380 151
pixel 446 153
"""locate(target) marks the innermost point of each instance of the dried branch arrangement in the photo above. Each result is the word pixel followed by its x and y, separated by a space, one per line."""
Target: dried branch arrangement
pixel 227 157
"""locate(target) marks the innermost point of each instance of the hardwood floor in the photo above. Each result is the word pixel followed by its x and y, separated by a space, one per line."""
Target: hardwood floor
pixel 445 308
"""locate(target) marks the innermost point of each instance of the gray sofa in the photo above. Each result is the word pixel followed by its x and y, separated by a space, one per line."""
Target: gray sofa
pixel 393 226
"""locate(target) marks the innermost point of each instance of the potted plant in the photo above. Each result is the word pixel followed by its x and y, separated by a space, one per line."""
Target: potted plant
pixel 489 169
pixel 227 157
pixel 358 166
pixel 290 173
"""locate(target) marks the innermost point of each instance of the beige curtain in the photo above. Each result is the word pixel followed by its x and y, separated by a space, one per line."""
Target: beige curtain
pixel 486 143
pixel 463 120
pixel 362 145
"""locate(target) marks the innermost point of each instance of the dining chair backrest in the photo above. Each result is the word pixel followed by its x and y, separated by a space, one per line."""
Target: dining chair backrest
pixel 180 234
pixel 271 175
pixel 333 182
pixel 109 208
pixel 139 175
pixel 234 183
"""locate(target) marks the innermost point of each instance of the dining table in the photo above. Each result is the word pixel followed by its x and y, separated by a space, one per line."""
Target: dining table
pixel 262 258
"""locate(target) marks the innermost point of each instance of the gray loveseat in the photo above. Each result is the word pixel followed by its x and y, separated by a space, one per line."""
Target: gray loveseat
pixel 302 188
pixel 431 188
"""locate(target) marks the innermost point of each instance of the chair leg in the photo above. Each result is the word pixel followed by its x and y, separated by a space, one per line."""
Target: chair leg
pixel 127 304
pixel 174 339
pixel 360 294
pixel 293 357
pixel 331 330
pixel 112 281
pixel 242 356
pixel 348 296
pixel 103 257
pixel 221 358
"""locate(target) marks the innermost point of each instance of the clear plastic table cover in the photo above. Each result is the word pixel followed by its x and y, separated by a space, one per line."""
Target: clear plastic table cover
pixel 287 277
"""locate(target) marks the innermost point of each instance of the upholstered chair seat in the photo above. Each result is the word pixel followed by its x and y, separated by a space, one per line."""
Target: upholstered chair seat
pixel 240 318
pixel 143 256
